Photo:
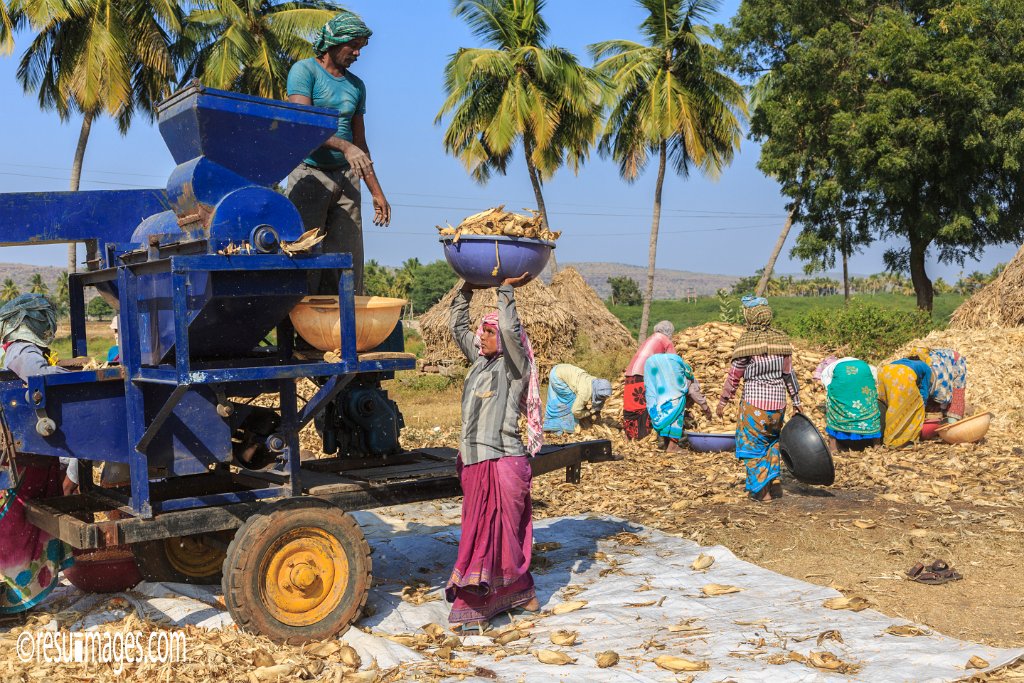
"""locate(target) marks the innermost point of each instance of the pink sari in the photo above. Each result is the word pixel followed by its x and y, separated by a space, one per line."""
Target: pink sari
pixel 492 571
pixel 30 559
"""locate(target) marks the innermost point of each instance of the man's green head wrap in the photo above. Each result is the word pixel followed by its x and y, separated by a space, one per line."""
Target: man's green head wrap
pixel 29 318
pixel 340 30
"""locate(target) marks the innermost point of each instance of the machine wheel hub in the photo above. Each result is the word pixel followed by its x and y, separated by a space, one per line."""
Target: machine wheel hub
pixel 303 576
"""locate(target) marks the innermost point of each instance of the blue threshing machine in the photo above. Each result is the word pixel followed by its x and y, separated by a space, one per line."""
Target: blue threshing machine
pixel 216 489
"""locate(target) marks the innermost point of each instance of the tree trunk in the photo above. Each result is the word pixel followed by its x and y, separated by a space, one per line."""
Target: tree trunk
pixel 846 277
pixel 919 276
pixel 652 251
pixel 76 177
pixel 769 267
pixel 535 181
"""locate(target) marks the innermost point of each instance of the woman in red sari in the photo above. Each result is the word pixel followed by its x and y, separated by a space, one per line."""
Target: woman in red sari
pixel 636 422
pixel 492 570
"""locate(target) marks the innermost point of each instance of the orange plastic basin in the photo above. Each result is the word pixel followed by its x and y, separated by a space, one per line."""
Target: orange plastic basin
pixel 316 320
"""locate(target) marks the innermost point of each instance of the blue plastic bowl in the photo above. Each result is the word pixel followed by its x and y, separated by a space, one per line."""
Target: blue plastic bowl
pixel 474 257
pixel 711 443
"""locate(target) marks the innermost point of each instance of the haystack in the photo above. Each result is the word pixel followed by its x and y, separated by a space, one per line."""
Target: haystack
pixel 604 331
pixel 551 328
pixel 998 304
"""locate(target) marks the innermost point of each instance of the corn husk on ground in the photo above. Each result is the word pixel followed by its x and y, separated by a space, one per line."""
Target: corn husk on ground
pixel 497 221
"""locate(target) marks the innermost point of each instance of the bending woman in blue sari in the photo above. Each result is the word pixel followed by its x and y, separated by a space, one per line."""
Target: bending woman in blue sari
pixel 669 385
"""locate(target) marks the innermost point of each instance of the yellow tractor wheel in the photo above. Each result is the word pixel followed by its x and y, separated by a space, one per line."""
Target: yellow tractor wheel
pixel 183 559
pixel 297 571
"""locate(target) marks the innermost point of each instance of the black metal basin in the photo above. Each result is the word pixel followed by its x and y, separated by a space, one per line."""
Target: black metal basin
pixel 806 453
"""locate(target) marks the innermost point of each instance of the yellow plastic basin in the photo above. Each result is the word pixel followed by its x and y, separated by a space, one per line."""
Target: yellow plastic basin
pixel 316 319
pixel 968 430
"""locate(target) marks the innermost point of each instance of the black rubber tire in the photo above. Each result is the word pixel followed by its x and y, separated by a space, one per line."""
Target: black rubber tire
pixel 154 564
pixel 241 581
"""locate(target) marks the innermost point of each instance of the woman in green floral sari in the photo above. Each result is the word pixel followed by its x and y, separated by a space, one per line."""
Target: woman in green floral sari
pixel 852 417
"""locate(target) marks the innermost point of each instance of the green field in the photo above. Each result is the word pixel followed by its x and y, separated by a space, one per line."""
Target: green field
pixel 705 309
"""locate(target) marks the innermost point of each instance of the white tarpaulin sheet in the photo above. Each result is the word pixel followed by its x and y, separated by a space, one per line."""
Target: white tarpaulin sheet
pixel 636 586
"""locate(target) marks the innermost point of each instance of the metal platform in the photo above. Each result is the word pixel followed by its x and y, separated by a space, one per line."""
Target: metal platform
pixel 351 484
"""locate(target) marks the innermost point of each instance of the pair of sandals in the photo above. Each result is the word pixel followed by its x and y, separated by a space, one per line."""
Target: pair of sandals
pixel 934 574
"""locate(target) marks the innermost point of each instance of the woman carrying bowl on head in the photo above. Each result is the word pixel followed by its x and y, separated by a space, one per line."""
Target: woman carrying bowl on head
pixel 763 361
pixel 670 385
pixel 492 570
pixel 852 416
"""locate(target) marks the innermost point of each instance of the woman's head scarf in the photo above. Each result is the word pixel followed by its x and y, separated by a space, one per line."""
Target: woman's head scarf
pixel 345 27
pixel 829 361
pixel 531 404
pixel 600 390
pixel 760 338
pixel 29 318
pixel 922 353
pixel 666 328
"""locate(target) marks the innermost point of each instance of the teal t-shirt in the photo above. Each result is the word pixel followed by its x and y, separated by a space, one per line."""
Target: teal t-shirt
pixel 346 94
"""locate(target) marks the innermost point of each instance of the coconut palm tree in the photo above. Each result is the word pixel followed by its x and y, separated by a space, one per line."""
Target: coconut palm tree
pixel 6 30
pixel 249 46
pixel 97 57
pixel 36 285
pixel 672 99
pixel 518 89
pixel 9 290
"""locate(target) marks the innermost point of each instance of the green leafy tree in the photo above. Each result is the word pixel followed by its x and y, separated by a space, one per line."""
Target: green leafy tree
pixel 898 113
pixel 9 290
pixel 249 46
pixel 36 285
pixel 518 89
pixel 99 309
pixel 672 99
pixel 95 57
pixel 432 282
pixel 625 291
pixel 819 245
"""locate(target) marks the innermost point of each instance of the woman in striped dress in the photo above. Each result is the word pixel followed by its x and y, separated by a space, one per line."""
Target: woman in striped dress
pixel 763 361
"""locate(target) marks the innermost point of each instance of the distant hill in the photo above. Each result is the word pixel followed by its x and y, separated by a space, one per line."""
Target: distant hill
pixel 21 274
pixel 668 284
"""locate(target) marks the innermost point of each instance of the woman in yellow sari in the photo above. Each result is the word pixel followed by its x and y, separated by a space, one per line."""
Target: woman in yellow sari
pixel 899 389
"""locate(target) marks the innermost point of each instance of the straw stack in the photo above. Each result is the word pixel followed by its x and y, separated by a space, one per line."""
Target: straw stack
pixel 604 331
pixel 551 328
pixel 999 304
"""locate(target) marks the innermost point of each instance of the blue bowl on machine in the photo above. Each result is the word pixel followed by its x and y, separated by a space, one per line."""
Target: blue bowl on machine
pixel 806 453
pixel 487 260
pixel 711 442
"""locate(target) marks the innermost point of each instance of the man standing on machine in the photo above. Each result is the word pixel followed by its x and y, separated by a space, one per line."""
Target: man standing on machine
pixel 325 187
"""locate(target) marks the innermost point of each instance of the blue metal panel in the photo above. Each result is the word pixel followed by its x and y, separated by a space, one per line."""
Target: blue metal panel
pixel 240 211
pixel 257 138
pixel 91 418
pixel 104 215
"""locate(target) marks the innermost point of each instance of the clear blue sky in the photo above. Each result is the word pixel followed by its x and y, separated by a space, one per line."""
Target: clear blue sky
pixel 726 226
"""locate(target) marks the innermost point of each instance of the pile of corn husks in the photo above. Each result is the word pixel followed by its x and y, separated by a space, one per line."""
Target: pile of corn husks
pixel 497 221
